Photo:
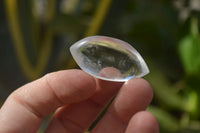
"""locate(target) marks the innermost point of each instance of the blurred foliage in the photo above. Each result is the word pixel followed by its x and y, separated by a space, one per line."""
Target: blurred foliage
pixel 35 36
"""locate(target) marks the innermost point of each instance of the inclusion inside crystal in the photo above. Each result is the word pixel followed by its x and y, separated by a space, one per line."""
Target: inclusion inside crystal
pixel 108 58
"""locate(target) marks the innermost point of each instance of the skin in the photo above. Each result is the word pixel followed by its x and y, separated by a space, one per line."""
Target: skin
pixel 77 99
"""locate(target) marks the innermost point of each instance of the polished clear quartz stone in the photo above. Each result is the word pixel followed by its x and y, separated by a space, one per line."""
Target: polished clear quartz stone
pixel 108 58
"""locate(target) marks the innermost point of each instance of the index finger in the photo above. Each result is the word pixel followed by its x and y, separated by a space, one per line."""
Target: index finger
pixel 25 108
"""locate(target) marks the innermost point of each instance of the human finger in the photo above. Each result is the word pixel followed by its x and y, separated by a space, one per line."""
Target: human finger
pixel 135 95
pixel 143 122
pixel 25 108
pixel 79 116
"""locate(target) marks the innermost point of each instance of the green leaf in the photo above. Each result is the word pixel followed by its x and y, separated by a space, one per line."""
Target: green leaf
pixel 192 103
pixel 189 50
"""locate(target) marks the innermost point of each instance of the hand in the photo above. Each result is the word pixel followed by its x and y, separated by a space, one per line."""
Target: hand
pixel 77 99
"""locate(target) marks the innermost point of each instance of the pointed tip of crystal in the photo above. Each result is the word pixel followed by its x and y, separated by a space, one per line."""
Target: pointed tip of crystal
pixel 108 58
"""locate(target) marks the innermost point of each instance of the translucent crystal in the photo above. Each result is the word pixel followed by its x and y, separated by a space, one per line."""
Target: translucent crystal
pixel 108 58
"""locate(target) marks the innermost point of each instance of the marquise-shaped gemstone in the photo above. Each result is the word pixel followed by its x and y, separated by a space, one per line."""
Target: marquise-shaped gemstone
pixel 108 58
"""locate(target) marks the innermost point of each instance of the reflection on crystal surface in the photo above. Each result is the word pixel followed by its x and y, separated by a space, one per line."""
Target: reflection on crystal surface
pixel 108 58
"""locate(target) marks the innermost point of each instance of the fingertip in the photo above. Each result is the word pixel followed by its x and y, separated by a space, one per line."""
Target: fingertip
pixel 109 73
pixel 139 81
pixel 135 95
pixel 143 122
pixel 142 84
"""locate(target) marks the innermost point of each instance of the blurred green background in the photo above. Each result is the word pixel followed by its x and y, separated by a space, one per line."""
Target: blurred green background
pixel 35 37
